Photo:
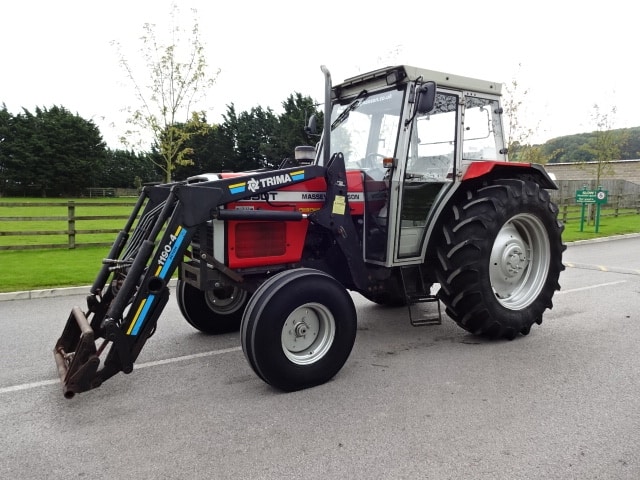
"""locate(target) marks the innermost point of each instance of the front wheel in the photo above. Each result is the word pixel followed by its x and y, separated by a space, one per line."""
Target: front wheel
pixel 500 258
pixel 298 329
pixel 214 311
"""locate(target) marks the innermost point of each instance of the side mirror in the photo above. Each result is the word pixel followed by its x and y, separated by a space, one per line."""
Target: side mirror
pixel 426 97
pixel 312 127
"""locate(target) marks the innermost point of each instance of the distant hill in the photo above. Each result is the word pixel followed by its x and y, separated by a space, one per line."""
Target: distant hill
pixel 570 148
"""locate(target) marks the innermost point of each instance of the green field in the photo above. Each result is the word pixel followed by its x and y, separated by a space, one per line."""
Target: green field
pixel 628 221
pixel 46 268
pixel 60 267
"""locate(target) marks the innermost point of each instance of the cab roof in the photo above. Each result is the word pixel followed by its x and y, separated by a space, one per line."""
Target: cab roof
pixel 404 73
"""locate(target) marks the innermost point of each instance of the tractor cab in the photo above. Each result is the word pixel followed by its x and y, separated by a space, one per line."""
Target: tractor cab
pixel 412 133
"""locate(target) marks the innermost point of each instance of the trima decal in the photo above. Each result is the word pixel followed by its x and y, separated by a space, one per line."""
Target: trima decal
pixel 255 184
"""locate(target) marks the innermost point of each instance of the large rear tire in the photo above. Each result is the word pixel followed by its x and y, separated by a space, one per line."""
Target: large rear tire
pixel 298 329
pixel 214 311
pixel 500 258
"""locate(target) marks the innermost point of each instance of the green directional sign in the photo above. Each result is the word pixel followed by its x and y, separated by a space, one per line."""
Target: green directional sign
pixel 592 196
pixel 598 197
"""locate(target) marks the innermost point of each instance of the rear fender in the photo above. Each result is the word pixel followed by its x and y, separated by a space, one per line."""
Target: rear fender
pixel 496 169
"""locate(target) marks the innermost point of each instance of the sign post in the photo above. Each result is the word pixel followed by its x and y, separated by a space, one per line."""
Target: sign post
pixel 591 197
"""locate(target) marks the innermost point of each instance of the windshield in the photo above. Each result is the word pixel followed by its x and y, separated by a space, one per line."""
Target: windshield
pixel 365 130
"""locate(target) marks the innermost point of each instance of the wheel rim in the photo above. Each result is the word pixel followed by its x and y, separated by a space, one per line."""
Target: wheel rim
pixel 520 260
pixel 308 333
pixel 225 300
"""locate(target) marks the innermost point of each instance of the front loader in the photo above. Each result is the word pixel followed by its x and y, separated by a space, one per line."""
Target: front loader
pixel 409 187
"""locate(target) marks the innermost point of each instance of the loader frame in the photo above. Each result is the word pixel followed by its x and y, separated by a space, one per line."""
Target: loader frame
pixel 124 313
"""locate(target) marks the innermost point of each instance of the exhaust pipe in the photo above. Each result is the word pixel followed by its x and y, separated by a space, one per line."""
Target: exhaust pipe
pixel 326 146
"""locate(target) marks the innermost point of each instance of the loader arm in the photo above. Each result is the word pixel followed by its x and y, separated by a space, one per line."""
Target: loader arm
pixel 122 313
pixel 131 289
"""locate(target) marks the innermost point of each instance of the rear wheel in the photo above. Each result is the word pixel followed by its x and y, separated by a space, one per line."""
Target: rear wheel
pixel 213 311
pixel 298 329
pixel 500 258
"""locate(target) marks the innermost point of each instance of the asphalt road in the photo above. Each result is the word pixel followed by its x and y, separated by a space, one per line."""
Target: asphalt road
pixel 411 403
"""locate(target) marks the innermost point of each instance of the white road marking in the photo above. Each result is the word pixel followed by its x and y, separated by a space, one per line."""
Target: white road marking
pixel 187 357
pixel 590 287
pixel 602 268
pixel 44 383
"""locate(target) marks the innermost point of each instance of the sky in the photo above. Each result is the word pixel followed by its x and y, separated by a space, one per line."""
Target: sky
pixel 566 55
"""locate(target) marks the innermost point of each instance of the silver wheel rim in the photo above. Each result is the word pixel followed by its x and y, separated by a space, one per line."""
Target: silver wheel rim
pixel 308 333
pixel 520 260
pixel 225 300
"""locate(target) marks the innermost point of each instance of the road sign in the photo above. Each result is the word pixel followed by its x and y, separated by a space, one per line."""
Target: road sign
pixel 598 197
pixel 592 196
pixel 601 196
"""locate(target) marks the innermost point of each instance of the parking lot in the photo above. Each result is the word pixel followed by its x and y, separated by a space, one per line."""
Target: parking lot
pixel 411 403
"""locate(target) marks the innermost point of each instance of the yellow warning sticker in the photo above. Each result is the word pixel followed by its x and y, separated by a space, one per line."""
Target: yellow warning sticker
pixel 339 205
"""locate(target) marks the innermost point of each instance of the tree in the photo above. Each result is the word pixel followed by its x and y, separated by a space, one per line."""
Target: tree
pixel 121 168
pixel 5 125
pixel 605 145
pixel 297 111
pixel 52 152
pixel 249 140
pixel 167 103
pixel 253 136
pixel 518 133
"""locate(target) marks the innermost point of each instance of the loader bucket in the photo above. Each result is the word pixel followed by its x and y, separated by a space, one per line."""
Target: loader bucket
pixel 76 355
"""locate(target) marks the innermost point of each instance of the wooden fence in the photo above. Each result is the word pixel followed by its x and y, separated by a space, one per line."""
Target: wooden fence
pixel 71 219
pixel 618 205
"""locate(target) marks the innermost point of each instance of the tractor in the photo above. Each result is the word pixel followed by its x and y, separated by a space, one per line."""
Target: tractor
pixel 408 190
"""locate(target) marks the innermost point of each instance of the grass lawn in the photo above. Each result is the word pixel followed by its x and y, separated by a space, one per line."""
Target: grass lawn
pixel 608 226
pixel 60 267
pixel 38 269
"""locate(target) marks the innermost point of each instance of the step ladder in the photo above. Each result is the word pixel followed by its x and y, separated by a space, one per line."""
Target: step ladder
pixel 416 292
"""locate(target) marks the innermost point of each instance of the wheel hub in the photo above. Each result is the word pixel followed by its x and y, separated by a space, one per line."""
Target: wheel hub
pixel 225 299
pixel 509 261
pixel 514 261
pixel 300 330
pixel 307 333
pixel 519 261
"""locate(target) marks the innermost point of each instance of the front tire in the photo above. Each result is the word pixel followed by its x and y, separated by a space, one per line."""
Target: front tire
pixel 214 311
pixel 298 329
pixel 500 258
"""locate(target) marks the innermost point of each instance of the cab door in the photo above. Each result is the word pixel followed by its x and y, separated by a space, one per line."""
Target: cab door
pixel 428 174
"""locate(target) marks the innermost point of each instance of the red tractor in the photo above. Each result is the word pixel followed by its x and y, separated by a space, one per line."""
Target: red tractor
pixel 409 187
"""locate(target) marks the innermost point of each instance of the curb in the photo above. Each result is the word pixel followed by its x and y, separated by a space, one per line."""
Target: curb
pixel 52 292
pixel 604 239
pixel 61 292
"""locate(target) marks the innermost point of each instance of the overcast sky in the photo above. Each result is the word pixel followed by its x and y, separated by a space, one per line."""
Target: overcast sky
pixel 567 54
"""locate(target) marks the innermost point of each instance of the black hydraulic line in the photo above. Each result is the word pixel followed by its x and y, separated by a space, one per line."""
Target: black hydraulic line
pixel 141 233
pixel 117 247
pixel 139 264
